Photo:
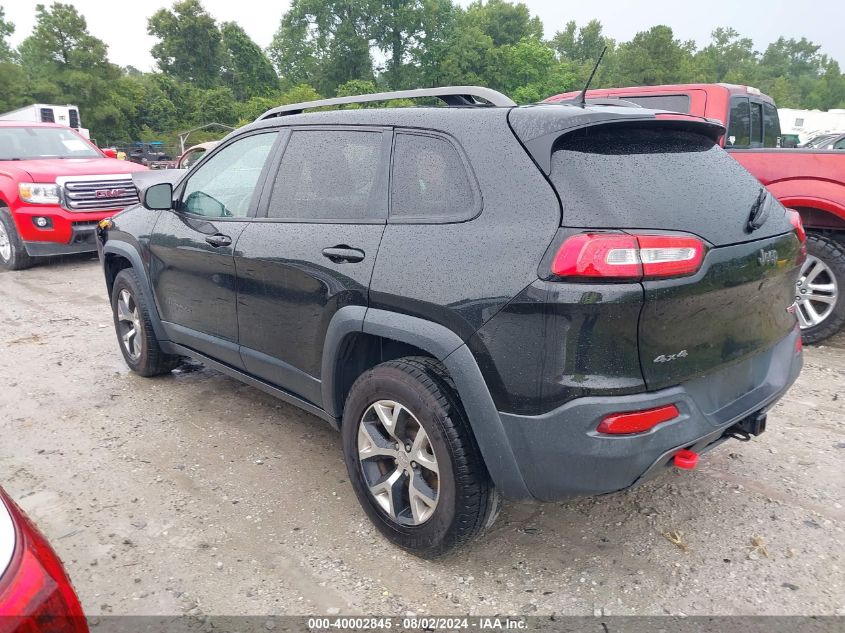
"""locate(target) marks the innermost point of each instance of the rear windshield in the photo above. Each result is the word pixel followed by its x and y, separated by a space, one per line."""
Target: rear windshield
pixel 652 178
pixel 675 103
pixel 43 142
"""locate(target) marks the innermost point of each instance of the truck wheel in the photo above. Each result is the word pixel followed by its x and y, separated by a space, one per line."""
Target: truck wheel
pixel 818 293
pixel 13 255
pixel 412 459
pixel 135 334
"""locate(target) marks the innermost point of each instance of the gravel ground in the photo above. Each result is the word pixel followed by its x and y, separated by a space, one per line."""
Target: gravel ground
pixel 196 494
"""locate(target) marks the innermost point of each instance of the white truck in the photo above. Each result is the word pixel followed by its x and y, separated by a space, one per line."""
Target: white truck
pixel 48 113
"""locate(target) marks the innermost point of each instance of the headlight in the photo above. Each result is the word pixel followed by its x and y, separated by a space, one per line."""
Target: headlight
pixel 39 192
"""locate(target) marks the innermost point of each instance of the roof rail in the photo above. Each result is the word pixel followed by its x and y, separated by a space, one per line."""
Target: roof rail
pixel 451 95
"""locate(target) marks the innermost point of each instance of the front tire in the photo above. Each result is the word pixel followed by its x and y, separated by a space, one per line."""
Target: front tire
pixel 13 255
pixel 412 459
pixel 819 291
pixel 135 334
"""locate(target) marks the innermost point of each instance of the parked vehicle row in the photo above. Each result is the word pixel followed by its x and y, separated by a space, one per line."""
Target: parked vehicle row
pixel 54 187
pixel 486 300
pixel 810 180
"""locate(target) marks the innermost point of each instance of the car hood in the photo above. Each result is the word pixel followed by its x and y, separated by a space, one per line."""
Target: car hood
pixel 48 169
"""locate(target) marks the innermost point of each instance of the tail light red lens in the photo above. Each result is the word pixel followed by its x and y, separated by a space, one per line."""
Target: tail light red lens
pixel 598 255
pixel 35 593
pixel 624 256
pixel 797 224
pixel 637 421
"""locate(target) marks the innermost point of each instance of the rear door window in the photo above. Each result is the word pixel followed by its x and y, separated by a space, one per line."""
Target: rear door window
pixel 331 175
pixel 756 124
pixel 739 124
pixel 771 125
pixel 430 181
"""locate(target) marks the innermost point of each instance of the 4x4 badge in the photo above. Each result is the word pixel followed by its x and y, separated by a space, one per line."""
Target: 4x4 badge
pixel 668 358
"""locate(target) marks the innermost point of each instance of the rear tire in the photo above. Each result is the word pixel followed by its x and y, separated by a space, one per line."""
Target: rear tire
pixel 822 280
pixel 420 478
pixel 13 255
pixel 135 334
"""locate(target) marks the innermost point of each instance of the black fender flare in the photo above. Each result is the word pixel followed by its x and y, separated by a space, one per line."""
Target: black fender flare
pixel 450 349
pixel 127 251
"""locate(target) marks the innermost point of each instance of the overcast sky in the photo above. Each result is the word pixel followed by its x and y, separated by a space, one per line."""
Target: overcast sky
pixel 122 24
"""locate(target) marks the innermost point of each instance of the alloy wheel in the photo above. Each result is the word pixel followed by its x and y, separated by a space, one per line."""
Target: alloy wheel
pixel 398 463
pixel 816 292
pixel 5 244
pixel 129 324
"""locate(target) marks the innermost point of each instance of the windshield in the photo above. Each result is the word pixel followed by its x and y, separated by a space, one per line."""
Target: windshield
pixel 22 143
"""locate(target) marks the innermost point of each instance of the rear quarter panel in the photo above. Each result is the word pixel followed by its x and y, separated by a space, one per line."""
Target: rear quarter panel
pixel 461 274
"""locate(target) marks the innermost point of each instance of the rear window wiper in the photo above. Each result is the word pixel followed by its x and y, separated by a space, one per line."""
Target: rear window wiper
pixel 759 211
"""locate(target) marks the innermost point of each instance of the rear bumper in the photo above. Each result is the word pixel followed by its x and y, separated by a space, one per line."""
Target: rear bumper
pixel 560 454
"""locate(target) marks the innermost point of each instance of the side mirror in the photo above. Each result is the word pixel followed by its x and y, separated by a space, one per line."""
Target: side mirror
pixel 110 152
pixel 158 197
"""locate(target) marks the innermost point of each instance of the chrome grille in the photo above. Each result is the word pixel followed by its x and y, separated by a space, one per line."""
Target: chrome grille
pixel 97 193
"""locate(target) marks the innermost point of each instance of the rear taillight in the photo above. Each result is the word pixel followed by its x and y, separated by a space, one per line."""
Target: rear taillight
pixel 637 421
pixel 624 256
pixel 35 593
pixel 797 224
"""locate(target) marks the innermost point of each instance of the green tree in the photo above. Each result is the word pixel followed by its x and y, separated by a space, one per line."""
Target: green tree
pixel 729 57
pixel 580 45
pixel 7 29
pixel 324 43
pixel 246 69
pixel 214 105
pixel 439 18
pixel 61 41
pixel 395 27
pixel 524 64
pixel 504 22
pixel 190 44
pixel 651 58
pixel 13 86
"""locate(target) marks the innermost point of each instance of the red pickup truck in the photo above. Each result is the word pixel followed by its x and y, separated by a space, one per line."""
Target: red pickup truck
pixel 809 180
pixel 55 186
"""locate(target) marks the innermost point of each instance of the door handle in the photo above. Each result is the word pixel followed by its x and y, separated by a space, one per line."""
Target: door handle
pixel 343 253
pixel 219 240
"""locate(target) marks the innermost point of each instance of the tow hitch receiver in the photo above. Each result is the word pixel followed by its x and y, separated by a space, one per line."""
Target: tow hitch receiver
pixel 685 459
pixel 752 425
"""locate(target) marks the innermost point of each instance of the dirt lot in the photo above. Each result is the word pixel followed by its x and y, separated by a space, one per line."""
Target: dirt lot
pixel 196 494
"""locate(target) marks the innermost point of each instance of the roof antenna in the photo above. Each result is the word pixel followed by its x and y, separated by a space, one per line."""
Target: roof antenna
pixel 582 98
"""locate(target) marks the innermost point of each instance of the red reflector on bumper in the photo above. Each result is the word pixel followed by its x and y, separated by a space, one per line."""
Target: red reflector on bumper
pixel 637 421
pixel 685 459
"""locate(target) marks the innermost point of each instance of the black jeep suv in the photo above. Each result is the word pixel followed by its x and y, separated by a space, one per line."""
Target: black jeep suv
pixel 538 302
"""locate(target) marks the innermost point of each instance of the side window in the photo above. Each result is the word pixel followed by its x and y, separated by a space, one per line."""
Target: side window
pixel 430 181
pixel 675 103
pixel 771 125
pixel 739 124
pixel 756 124
pixel 330 175
pixel 191 157
pixel 223 187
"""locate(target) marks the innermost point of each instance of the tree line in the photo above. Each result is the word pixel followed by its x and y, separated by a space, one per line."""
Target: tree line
pixel 208 71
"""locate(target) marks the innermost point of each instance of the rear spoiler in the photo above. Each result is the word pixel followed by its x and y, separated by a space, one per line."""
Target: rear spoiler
pixel 539 127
